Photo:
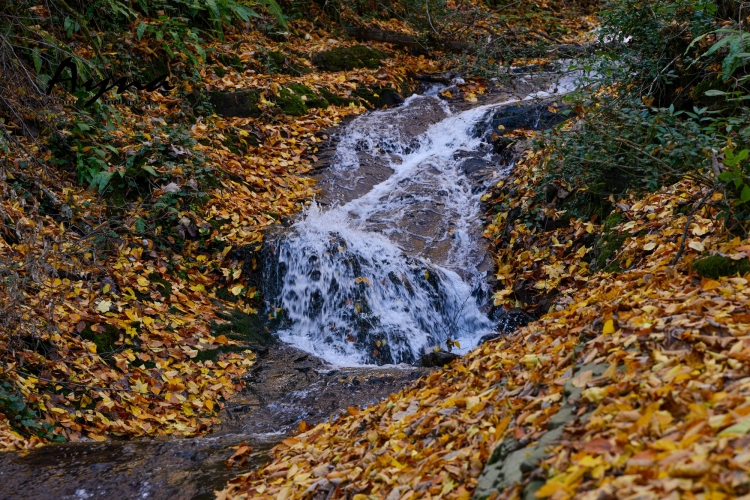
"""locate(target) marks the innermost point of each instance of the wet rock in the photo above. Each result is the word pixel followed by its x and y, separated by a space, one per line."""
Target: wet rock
pixel 531 117
pixel 437 359
pixel 293 385
pixel 489 337
pixel 508 321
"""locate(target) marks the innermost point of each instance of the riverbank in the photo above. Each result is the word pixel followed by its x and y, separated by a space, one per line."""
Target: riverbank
pixel 632 382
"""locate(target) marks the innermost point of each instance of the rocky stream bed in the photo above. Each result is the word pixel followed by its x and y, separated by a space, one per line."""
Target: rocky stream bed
pixel 388 263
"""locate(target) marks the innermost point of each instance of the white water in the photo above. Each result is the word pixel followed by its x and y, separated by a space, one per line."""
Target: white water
pixel 369 270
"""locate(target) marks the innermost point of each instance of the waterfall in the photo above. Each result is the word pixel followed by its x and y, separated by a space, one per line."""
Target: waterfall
pixel 389 272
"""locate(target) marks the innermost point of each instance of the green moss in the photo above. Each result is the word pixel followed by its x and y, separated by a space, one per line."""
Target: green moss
pixel 243 327
pixel 104 341
pixel 717 266
pixel 242 104
pixel 613 219
pixel 334 99
pixel 278 62
pixel 312 100
pixel 164 286
pixel 224 294
pixel 607 246
pixel 290 103
pixel 246 328
pixel 348 58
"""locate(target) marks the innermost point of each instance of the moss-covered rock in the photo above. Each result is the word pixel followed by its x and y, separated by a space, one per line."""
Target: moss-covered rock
pixel 278 62
pixel 606 247
pixel 249 329
pixel 716 266
pixel 348 58
pixel 334 99
pixel 312 100
pixel 104 341
pixel 378 96
pixel 242 104
pixel 290 103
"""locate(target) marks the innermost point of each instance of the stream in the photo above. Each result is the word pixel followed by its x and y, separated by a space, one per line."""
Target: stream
pixel 387 263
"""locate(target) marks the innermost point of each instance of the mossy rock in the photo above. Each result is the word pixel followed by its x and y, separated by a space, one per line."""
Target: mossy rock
pixel 246 328
pixel 278 62
pixel 242 104
pixel 290 103
pixel 716 266
pixel 348 58
pixel 607 246
pixel 243 327
pixel 312 100
pixel 104 341
pixel 378 96
pixel 613 219
pixel 334 99
pixel 297 99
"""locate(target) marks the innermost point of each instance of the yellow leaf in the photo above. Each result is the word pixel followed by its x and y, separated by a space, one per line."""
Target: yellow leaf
pixel 140 386
pixel 198 288
pixel 696 245
pixel 237 289
pixel 609 327
pixel 594 394
pixel 104 306
pixel 550 489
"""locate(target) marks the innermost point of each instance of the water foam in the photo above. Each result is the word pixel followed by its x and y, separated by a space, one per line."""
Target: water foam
pixel 360 286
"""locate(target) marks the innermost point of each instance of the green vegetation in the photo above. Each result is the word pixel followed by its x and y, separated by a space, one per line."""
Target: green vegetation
pixel 348 58
pixel 673 115
pixel 248 329
pixel 104 340
pixel 717 266
pixel 22 418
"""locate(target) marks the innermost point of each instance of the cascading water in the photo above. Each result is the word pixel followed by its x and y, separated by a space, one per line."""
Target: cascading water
pixel 387 272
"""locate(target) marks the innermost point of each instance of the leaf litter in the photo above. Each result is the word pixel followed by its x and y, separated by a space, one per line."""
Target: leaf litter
pixel 668 417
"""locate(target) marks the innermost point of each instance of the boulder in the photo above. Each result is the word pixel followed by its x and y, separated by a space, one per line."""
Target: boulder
pixel 437 359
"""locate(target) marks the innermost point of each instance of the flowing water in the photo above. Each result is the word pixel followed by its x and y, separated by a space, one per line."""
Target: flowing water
pixel 395 263
pixel 386 264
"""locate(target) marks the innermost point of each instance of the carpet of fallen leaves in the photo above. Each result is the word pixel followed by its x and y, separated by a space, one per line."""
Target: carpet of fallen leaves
pixel 666 419
pixel 163 304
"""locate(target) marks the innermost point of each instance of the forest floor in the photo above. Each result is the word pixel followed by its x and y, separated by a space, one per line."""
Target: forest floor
pixel 634 381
